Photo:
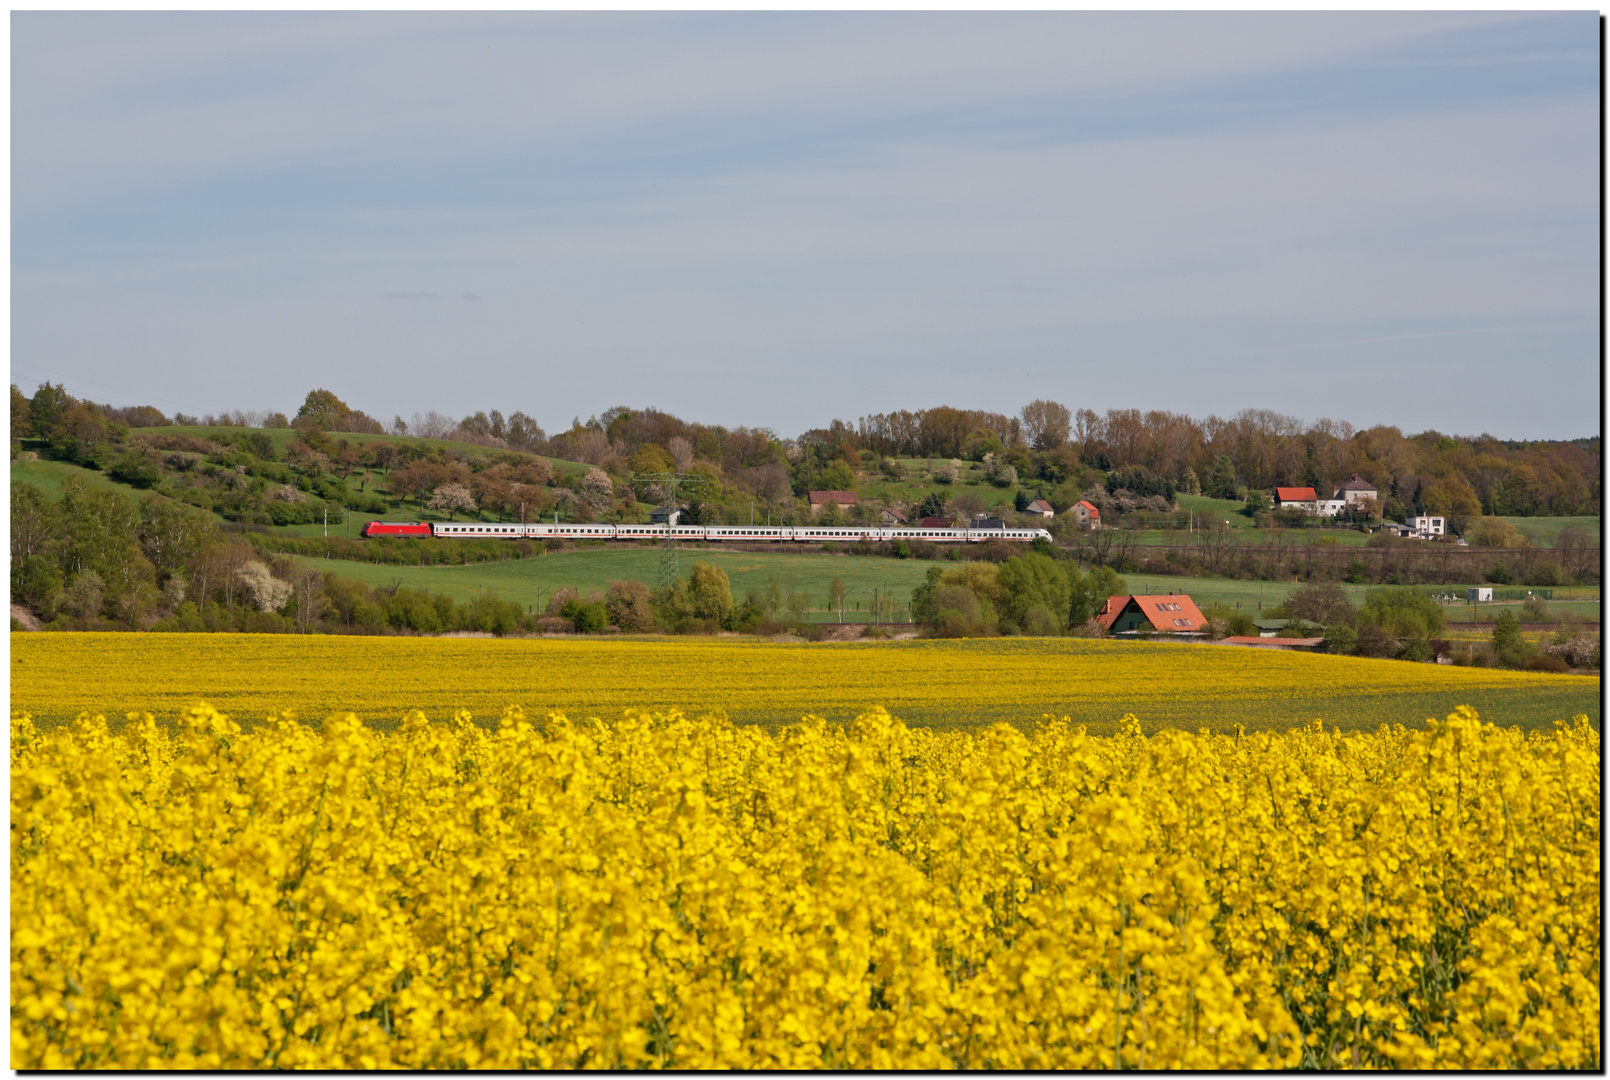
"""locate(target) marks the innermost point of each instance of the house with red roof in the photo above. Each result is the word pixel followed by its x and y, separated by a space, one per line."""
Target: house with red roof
pixel 1305 499
pixel 1087 514
pixel 1175 613
pixel 840 499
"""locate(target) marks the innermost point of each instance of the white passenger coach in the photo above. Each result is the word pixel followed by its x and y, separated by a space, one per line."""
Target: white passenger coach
pixel 804 534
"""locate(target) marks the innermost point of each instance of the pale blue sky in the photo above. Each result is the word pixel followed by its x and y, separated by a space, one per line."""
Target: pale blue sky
pixel 777 219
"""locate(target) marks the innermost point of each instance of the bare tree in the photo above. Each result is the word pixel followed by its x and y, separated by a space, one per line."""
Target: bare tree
pixel 309 586
pixel 681 452
pixel 433 425
pixel 1110 547
pixel 1087 430
pixel 1046 424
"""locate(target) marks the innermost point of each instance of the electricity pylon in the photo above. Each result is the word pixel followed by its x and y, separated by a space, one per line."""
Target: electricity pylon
pixel 675 485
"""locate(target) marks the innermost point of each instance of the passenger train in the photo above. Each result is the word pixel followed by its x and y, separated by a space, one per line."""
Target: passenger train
pixel 803 534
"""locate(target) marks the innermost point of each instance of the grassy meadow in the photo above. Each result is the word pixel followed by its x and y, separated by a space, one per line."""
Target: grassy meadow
pixel 530 582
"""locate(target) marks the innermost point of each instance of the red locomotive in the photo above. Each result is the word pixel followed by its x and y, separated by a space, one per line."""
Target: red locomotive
pixel 395 528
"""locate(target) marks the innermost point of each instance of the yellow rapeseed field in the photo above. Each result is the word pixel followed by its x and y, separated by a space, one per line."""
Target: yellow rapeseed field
pixel 689 893
pixel 935 683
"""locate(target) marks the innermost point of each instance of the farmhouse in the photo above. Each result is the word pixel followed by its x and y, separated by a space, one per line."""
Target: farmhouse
pixel 1355 490
pixel 1041 507
pixel 1087 514
pixel 1171 614
pixel 1305 499
pixel 892 516
pixel 841 499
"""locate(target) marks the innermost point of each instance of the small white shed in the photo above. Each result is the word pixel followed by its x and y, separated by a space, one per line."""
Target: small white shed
pixel 1476 596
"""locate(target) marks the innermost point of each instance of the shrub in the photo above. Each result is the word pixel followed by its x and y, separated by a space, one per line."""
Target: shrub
pixel 628 605
pixel 1340 639
pixel 1224 621
pixel 1545 662
pixel 555 624
pixel 1374 641
pixel 1579 652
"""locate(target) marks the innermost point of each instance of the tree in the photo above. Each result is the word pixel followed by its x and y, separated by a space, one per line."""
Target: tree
pixel 967 507
pixel 1401 613
pixel 308 585
pixel 1509 646
pixel 932 505
pixel 1088 592
pixel 1038 596
pixel 21 413
pixel 451 498
pixel 1221 485
pixel 1046 424
pixel 835 597
pixel 628 606
pixel 265 590
pixel 83 596
pixel 798 604
pixel 709 592
pixel 681 452
pixel 1257 503
pixel 836 477
pixel 1495 532
pixel 324 409
pixel 172 534
pixel 1322 603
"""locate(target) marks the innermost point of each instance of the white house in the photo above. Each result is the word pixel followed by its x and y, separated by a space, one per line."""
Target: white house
pixel 1428 527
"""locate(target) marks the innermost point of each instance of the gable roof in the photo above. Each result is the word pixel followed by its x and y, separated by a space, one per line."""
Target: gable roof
pixel 1307 494
pixel 1174 613
pixel 1355 484
pixel 1040 506
pixel 842 498
pixel 1090 507
pixel 891 512
pixel 935 523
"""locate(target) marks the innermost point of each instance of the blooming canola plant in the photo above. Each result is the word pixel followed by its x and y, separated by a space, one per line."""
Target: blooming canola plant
pixel 667 891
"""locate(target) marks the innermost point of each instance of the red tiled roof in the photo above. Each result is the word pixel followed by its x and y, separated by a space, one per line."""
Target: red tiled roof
pixel 843 498
pixel 1090 507
pixel 1171 614
pixel 1306 494
pixel 935 523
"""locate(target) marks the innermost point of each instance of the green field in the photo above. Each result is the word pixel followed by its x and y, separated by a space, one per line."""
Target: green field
pixel 1545 531
pixel 586 569
pixel 48 477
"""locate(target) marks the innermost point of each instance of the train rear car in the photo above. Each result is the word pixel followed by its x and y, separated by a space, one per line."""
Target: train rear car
pixel 395 528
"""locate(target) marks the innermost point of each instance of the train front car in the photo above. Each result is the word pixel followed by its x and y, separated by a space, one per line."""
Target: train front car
pixel 395 528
